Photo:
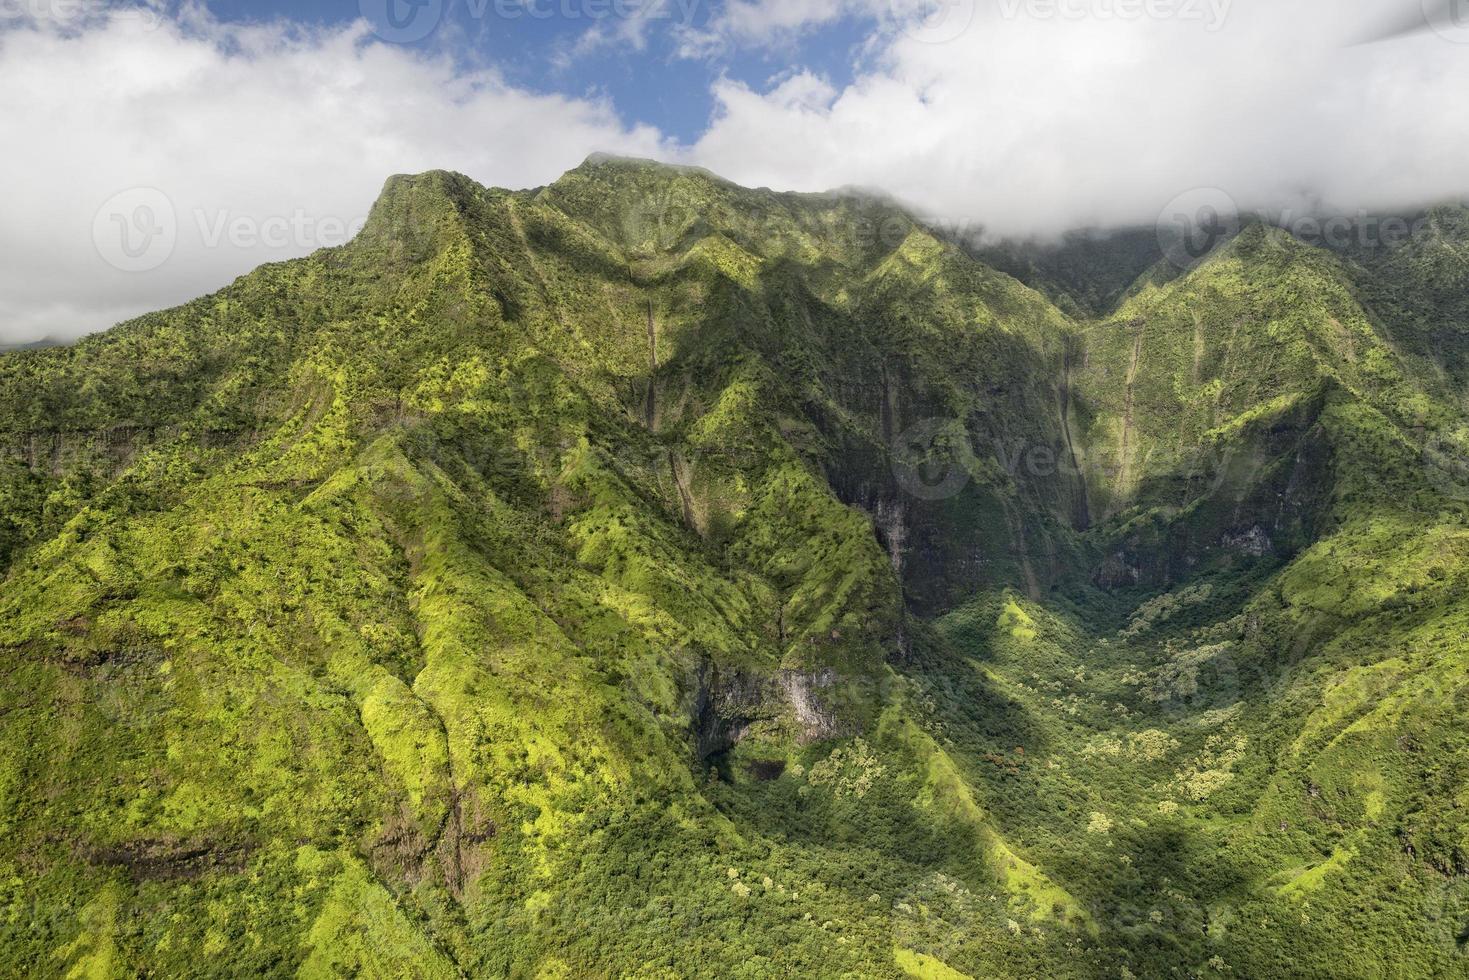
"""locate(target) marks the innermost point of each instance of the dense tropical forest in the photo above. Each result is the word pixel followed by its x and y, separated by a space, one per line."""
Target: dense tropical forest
pixel 644 576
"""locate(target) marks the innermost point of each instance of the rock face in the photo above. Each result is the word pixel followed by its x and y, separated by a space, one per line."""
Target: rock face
pixel 891 522
pixel 725 706
pixel 1253 542
pixel 808 696
pixel 802 705
pixel 402 609
pixel 1259 498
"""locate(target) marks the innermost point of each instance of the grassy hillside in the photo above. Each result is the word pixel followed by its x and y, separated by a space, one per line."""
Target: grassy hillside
pixel 646 576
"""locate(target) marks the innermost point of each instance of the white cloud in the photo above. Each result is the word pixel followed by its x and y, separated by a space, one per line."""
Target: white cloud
pixel 1033 116
pixel 1048 114
pixel 773 23
pixel 765 20
pixel 628 24
pixel 268 141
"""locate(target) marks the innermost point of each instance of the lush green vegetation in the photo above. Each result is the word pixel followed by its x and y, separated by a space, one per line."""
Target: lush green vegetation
pixel 649 577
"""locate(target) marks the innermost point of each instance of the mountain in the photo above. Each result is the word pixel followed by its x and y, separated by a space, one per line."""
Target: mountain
pixel 647 576
pixel 41 344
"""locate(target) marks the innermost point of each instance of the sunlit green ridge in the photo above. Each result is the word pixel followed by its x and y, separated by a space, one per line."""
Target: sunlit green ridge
pixel 646 576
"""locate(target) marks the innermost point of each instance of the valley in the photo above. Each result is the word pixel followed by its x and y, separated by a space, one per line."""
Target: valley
pixel 646 576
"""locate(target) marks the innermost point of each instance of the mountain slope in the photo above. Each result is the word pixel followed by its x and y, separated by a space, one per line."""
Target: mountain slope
pixel 648 576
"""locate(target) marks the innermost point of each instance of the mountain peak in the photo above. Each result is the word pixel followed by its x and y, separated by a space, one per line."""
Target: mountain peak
pixel 614 161
pixel 416 208
pixel 532 517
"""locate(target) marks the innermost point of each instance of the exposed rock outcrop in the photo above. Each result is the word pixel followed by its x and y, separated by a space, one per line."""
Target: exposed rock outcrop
pixel 808 693
pixel 726 706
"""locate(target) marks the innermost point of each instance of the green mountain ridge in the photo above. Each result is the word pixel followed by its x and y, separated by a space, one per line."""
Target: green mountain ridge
pixel 647 576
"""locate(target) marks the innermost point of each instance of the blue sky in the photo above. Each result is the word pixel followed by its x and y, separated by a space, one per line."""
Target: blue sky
pixel 534 44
